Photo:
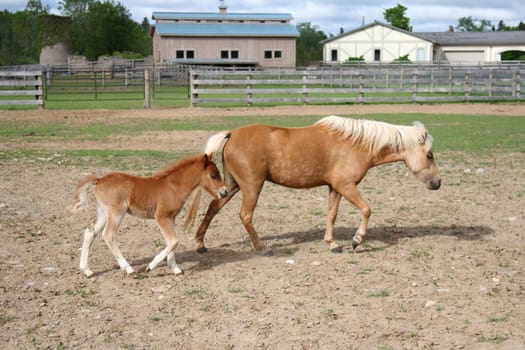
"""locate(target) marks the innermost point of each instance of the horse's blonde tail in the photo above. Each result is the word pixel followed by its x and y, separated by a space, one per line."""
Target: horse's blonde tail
pixel 194 208
pixel 214 143
pixel 80 194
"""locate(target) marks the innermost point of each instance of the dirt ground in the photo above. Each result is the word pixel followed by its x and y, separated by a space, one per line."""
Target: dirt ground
pixel 439 269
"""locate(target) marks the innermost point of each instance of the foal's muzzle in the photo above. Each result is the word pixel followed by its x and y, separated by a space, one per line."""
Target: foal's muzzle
pixel 223 192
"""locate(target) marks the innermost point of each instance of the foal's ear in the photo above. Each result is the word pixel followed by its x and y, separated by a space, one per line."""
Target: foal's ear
pixel 206 159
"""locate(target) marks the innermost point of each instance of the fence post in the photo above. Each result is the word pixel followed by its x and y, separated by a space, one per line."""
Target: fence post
pixel 450 81
pixel 414 87
pixel 249 92
pixel 361 87
pixel 193 87
pixel 491 85
pixel 147 97
pixel 305 89
pixel 517 85
pixel 40 88
pixel 468 86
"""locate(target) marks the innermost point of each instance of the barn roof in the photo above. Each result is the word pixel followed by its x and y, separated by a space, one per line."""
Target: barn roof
pixel 475 38
pixel 230 29
pixel 222 16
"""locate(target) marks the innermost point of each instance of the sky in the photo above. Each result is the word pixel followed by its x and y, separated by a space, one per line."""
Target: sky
pixel 330 16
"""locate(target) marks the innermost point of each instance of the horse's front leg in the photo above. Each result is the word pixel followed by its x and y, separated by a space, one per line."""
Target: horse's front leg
pixel 334 198
pixel 353 196
pixel 213 209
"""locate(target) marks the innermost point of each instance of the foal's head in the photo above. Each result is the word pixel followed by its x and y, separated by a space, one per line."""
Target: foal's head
pixel 210 178
pixel 420 160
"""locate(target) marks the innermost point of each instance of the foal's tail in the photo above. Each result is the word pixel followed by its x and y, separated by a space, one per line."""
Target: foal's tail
pixel 80 194
pixel 213 145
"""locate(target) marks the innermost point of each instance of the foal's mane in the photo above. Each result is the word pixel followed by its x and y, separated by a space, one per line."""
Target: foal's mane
pixel 176 165
pixel 375 135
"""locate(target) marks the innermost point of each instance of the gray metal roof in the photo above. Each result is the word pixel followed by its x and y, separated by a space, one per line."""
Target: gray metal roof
pixel 474 38
pixel 222 16
pixel 221 29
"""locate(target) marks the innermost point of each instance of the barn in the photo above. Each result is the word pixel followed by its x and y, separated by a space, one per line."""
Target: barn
pixel 225 39
pixel 380 42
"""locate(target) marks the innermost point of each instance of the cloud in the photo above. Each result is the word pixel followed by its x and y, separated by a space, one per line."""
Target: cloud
pixel 331 15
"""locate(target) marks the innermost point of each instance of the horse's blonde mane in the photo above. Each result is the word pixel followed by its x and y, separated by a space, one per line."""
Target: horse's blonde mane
pixel 375 135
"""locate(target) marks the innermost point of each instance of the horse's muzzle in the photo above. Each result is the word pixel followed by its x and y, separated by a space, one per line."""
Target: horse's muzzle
pixel 434 184
pixel 223 192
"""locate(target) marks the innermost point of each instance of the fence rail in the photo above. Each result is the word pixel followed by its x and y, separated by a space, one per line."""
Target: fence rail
pixel 21 88
pixel 358 85
pixel 177 85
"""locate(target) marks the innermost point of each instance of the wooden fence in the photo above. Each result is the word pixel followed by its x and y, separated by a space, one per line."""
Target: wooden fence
pixel 375 84
pixel 21 88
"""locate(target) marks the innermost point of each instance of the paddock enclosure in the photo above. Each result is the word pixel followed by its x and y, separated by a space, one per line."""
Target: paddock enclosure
pixel 438 270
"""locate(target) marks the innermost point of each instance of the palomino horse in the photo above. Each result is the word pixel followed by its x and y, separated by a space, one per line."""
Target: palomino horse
pixel 335 151
pixel 158 197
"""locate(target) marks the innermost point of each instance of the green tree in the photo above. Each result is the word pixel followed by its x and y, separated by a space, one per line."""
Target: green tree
pixel 396 17
pixel 104 28
pixel 308 44
pixel 469 24
pixel 77 11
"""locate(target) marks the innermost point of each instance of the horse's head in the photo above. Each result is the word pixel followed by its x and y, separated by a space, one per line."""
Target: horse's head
pixel 420 160
pixel 211 178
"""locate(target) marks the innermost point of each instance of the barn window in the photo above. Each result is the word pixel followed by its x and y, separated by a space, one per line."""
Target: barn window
pixel 334 56
pixel 267 54
pixel 225 54
pixel 278 54
pixel 234 54
pixel 190 54
pixel 377 55
pixel 179 54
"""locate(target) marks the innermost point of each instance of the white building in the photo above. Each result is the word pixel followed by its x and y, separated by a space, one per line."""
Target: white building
pixel 380 42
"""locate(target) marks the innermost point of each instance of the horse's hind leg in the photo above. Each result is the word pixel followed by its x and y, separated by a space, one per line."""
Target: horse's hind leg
pixel 249 201
pixel 89 235
pixel 352 195
pixel 334 198
pixel 112 225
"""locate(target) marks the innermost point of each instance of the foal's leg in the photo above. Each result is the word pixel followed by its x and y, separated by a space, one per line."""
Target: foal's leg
pixel 213 209
pixel 165 224
pixel 353 196
pixel 89 235
pixel 109 235
pixel 334 198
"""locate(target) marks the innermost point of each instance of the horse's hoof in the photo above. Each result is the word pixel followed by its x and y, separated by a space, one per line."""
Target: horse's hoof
pixel 355 244
pixel 338 249
pixel 202 250
pixel 267 252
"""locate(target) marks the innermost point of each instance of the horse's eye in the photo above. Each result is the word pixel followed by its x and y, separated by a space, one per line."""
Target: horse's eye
pixel 430 155
pixel 214 176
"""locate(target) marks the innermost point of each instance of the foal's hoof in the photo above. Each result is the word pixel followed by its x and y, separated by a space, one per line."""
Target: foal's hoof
pixel 355 244
pixel 338 249
pixel 202 250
